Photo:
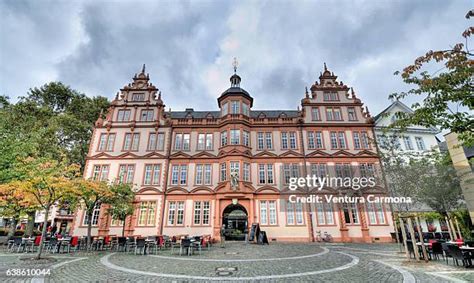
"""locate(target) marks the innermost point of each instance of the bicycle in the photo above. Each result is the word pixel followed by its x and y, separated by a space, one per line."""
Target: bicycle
pixel 327 238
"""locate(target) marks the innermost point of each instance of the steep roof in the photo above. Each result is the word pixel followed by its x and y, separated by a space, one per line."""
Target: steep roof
pixel 406 109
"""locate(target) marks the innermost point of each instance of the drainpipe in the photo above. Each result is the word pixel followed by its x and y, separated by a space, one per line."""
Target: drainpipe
pixel 305 172
pixel 165 185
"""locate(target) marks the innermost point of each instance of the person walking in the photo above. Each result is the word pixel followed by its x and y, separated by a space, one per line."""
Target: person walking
pixel 222 236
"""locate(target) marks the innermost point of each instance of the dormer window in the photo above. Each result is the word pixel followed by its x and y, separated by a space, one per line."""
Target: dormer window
pixel 123 115
pixel 147 116
pixel 330 96
pixel 138 97
pixel 235 107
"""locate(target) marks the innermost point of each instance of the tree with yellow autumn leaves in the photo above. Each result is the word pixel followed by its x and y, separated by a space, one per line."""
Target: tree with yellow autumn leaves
pixel 15 202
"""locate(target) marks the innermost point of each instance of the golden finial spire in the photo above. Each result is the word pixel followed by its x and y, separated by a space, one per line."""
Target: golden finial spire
pixel 325 67
pixel 143 69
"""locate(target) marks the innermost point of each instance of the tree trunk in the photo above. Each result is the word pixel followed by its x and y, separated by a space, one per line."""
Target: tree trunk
pixel 12 230
pixel 31 224
pixel 123 228
pixel 89 229
pixel 43 233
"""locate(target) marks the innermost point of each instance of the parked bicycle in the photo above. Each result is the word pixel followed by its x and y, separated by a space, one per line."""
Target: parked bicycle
pixel 327 238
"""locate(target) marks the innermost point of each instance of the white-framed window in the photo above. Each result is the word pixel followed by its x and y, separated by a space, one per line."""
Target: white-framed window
pixel 315 140
pixel 268 213
pixel 152 174
pixel 182 141
pixel 407 142
pixel 290 171
pixel 265 174
pixel 138 97
pixel 146 115
pixel 126 173
pixel 106 142
pixel 376 213
pixel 179 174
pixel 260 141
pixel 201 212
pixel 319 170
pixel 223 172
pixel 351 213
pixel 333 114
pixel 338 140
pixel 330 96
pixel 131 141
pixel 324 214
pixel 294 213
pixel 223 138
pixel 245 109
pixel 147 213
pixel 288 140
pixel 123 115
pixel 343 170
pixel 246 170
pixel 156 141
pixel 175 213
pixel 269 140
pixel 235 107
pixel 203 174
pixel 284 140
pixel 315 114
pixel 234 137
pixel 204 142
pixel 100 172
pixel 351 114
pixel 366 170
pixel 265 140
pixel 95 216
pixel 420 143
pixel 246 138
pixel 225 109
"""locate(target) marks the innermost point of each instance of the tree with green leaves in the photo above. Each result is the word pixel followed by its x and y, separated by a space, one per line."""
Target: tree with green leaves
pixel 447 94
pixel 91 193
pixel 121 203
pixel 440 187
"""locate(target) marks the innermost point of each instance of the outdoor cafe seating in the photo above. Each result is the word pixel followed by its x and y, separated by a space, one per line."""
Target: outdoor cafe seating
pixel 179 244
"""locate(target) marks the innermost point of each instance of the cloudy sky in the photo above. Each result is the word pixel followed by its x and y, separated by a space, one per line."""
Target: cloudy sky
pixel 188 47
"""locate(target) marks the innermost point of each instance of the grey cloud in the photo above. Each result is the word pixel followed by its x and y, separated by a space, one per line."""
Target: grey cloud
pixel 97 46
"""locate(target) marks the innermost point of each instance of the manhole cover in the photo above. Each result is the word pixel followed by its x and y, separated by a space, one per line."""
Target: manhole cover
pixel 225 271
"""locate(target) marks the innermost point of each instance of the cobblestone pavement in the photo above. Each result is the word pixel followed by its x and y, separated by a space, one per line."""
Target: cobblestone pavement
pixel 238 262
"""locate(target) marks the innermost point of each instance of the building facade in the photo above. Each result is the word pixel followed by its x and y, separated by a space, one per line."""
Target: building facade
pixel 414 142
pixel 196 171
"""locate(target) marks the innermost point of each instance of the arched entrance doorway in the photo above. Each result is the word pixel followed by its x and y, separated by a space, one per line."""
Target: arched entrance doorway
pixel 235 221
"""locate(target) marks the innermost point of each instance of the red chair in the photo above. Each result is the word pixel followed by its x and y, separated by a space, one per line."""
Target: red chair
pixel 37 242
pixel 73 243
pixel 459 242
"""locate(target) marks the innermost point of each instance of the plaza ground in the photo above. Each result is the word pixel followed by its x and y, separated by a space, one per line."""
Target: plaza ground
pixel 240 262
